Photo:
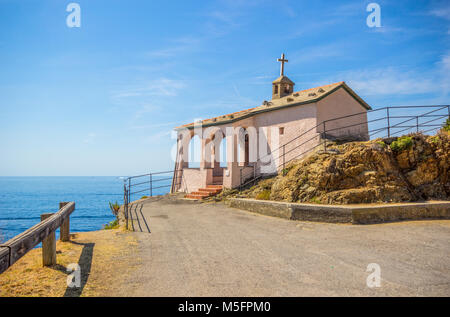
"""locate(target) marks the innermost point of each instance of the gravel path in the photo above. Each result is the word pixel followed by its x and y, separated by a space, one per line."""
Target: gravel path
pixel 193 249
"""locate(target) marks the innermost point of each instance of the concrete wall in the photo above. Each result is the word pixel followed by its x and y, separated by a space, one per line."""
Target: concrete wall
pixel 195 178
pixel 365 214
pixel 291 211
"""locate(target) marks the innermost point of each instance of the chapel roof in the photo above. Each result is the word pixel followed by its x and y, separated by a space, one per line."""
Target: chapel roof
pixel 283 79
pixel 295 99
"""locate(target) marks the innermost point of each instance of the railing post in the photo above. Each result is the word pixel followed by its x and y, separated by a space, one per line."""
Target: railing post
pixel 324 138
pixel 240 179
pixel 128 211
pixel 388 123
pixel 129 189
pixel 284 158
pixel 417 124
pixel 48 246
pixel 125 204
pixel 64 231
pixel 151 185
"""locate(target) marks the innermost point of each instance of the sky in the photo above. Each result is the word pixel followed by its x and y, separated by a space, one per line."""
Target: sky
pixel 102 99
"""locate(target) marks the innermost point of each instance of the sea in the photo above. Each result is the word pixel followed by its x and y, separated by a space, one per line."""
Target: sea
pixel 24 199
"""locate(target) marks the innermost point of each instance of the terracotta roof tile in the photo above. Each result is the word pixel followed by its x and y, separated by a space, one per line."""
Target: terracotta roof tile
pixel 301 97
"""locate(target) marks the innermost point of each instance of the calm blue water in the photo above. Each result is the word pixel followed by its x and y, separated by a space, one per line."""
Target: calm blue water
pixel 24 199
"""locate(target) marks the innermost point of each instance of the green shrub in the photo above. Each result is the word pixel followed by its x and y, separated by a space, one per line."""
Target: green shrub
pixel 435 139
pixel 144 197
pixel 401 144
pixel 446 126
pixel 114 208
pixel 383 145
pixel 315 200
pixel 264 195
pixel 112 225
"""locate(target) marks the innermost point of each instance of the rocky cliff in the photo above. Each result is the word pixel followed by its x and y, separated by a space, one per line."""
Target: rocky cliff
pixel 410 168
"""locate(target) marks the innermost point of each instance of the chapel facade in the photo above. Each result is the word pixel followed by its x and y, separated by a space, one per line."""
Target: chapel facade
pixel 260 141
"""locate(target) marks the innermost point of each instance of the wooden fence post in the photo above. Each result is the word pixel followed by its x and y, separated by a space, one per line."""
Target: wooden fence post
pixel 48 246
pixel 64 231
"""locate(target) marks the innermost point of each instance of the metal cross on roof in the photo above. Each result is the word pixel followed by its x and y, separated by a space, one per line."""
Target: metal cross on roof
pixel 282 60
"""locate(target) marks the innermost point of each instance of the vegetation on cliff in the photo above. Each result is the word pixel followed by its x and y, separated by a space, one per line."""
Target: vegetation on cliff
pixel 115 208
pixel 409 168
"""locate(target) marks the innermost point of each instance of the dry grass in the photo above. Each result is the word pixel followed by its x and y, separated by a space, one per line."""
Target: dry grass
pixel 105 258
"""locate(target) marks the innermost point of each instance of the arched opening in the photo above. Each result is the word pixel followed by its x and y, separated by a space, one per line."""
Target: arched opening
pixel 195 148
pixel 243 154
pixel 223 153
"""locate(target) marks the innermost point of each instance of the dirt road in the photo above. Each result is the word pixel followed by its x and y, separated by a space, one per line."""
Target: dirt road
pixel 187 249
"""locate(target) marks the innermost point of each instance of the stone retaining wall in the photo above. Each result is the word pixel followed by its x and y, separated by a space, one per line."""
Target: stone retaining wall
pixel 356 214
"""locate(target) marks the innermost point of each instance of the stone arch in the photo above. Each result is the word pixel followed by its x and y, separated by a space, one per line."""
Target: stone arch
pixel 247 147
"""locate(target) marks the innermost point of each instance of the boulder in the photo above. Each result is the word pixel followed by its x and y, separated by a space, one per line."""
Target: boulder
pixel 367 172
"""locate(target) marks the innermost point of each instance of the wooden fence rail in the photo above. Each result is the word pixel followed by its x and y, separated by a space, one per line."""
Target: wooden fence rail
pixel 14 249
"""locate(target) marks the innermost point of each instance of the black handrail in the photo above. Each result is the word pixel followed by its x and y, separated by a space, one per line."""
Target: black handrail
pixel 320 130
pixel 250 177
pixel 134 185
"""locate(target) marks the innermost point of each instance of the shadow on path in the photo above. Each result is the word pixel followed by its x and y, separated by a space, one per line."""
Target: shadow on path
pixel 140 221
pixel 85 263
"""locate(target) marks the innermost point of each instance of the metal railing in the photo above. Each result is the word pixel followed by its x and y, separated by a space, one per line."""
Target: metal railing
pixel 147 184
pixel 389 124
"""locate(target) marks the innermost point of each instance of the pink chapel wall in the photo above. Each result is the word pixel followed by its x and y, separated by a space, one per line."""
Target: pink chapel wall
pixel 340 104
pixel 298 123
pixel 295 121
pixel 291 125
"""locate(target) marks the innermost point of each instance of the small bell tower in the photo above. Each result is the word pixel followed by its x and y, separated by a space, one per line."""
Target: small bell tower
pixel 282 86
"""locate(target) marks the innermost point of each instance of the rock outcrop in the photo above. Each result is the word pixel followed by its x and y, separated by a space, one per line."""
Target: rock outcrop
pixel 410 168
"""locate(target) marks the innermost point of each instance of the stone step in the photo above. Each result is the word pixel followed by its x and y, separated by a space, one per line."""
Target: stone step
pixel 192 196
pixel 215 186
pixel 210 190
pixel 201 193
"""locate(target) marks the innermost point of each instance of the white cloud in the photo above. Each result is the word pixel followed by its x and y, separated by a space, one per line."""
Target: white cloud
pixel 162 135
pixel 347 9
pixel 157 87
pixel 390 81
pixel 226 18
pixel 389 29
pixel 146 109
pixel 177 46
pixel 90 138
pixel 288 10
pixel 395 81
pixel 152 126
pixel 446 62
pixel 314 53
pixel 444 65
pixel 443 12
